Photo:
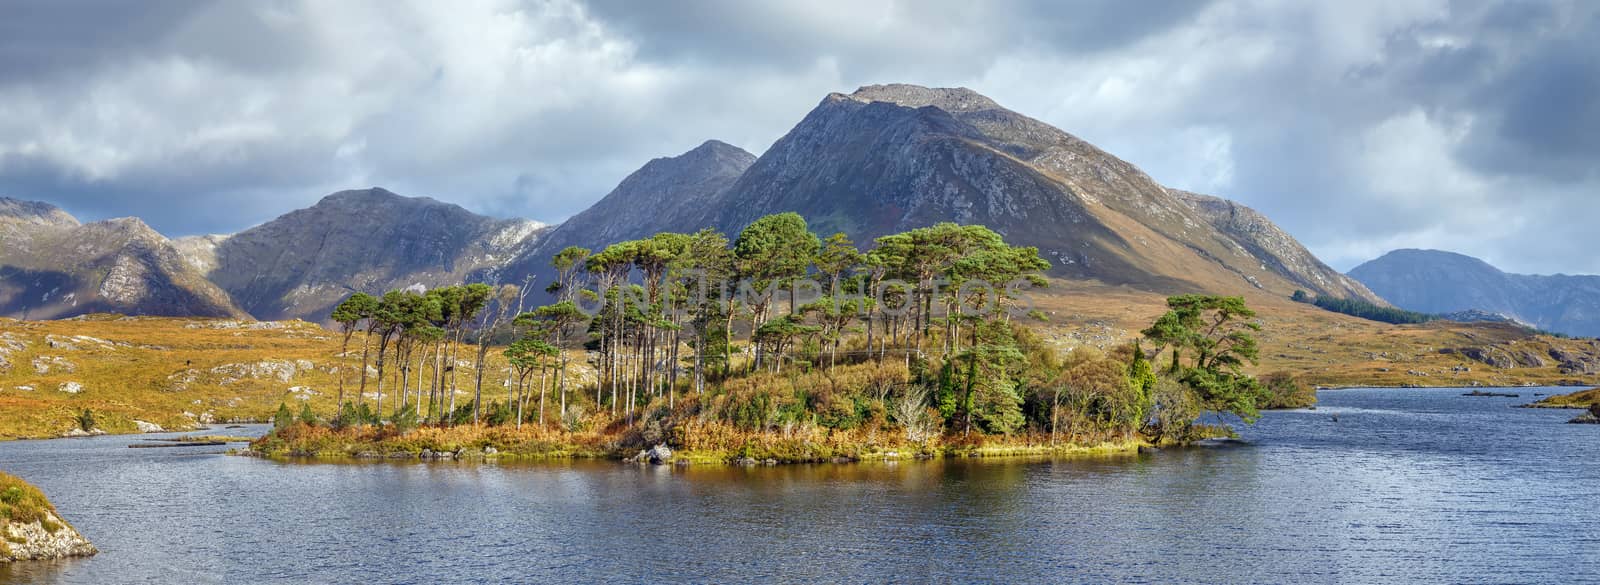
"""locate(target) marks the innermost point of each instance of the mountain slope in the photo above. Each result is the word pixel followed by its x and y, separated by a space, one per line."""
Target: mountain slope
pixel 889 158
pixel 1433 281
pixel 667 194
pixel 1263 240
pixel 53 267
pixel 306 261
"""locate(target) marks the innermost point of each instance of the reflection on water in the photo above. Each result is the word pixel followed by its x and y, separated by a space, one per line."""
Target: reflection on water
pixel 1406 486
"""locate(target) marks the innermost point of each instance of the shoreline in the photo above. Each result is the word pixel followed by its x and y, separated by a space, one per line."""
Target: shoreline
pixel 722 458
pixel 713 446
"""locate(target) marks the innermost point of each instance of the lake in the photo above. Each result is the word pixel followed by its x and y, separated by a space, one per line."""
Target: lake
pixel 1405 486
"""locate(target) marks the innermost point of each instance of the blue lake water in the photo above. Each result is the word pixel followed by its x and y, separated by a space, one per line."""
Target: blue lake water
pixel 1407 486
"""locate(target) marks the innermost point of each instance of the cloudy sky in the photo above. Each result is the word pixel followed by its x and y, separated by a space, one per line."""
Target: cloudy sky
pixel 1358 126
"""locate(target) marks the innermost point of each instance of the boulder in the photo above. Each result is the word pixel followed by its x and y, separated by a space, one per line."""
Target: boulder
pixel 1574 364
pixel 42 540
pixel 1491 358
pixel 1529 359
pixel 148 427
pixel 659 454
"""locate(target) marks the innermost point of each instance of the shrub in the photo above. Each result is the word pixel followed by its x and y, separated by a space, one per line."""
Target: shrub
pixel 284 418
pixel 406 420
pixel 1285 390
pixel 85 420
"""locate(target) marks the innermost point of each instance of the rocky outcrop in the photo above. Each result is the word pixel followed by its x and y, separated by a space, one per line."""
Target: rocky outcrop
pixel 1573 363
pixel 49 538
pixel 1257 237
pixel 31 530
pixel 1488 357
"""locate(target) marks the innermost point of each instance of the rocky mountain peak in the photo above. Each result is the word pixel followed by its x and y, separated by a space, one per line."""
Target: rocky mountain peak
pixel 35 212
pixel 369 197
pixel 667 194
pixel 949 99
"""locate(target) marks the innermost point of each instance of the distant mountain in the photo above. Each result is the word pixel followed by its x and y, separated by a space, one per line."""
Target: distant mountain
pixel 53 267
pixel 1432 281
pixel 306 261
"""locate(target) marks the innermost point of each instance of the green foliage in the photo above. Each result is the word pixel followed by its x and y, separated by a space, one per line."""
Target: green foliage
pixel 499 414
pixel 306 416
pixel 22 503
pixel 406 420
pixel 1372 312
pixel 992 397
pixel 85 420
pixel 1141 383
pixel 1300 296
pixel 1213 331
pixel 948 394
pixel 283 418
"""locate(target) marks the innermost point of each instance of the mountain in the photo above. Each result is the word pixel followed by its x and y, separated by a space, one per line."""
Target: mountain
pixel 667 194
pixel 52 267
pixel 888 158
pixel 1433 281
pixel 306 261
pixel 884 159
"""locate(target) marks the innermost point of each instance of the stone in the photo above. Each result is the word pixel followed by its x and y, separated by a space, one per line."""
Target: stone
pixel 33 542
pixel 148 427
pixel 659 454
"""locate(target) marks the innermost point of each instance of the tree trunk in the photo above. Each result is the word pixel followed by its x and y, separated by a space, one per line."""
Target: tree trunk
pixel 366 346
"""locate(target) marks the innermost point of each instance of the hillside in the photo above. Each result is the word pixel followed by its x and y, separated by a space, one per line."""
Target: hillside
pixel 1433 281
pixel 665 195
pixel 53 267
pixel 304 262
pixel 180 373
pixel 888 158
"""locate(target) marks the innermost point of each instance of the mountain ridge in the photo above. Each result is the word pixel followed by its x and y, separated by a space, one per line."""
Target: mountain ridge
pixel 1437 281
pixel 52 266
pixel 883 159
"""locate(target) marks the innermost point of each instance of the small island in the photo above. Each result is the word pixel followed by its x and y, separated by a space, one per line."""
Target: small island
pixel 30 528
pixel 1584 399
pixel 865 369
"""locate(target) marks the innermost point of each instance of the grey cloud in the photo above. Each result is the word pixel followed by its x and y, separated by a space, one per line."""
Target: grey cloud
pixel 1426 123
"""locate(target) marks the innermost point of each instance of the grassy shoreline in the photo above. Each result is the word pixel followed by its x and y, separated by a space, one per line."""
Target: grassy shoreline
pixel 712 446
